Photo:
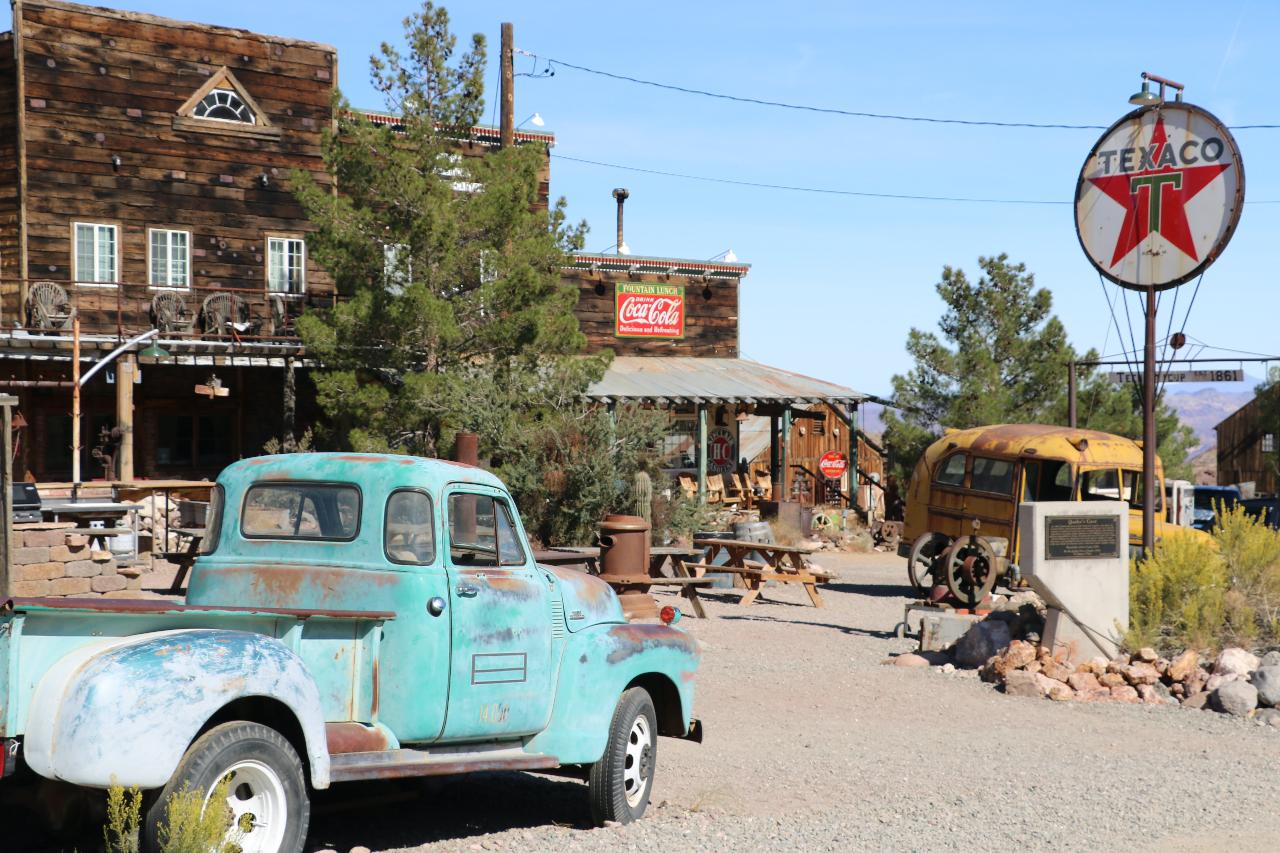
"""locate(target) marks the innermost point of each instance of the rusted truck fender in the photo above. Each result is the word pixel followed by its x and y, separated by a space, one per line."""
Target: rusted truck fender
pixel 125 710
pixel 601 662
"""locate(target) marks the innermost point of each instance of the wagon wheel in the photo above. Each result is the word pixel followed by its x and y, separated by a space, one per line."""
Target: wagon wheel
pixel 923 561
pixel 971 570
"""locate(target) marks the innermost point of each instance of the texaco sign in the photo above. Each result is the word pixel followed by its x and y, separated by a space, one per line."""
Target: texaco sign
pixel 1160 196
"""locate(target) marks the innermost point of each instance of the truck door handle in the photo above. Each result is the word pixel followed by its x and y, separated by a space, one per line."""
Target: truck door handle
pixel 466 590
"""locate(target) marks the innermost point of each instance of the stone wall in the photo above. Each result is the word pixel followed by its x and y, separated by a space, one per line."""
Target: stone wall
pixel 51 561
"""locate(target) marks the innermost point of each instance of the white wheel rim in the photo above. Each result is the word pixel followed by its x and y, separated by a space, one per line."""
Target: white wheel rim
pixel 637 768
pixel 258 807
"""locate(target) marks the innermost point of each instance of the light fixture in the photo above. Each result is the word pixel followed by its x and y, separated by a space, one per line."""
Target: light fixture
pixel 115 162
pixel 1145 98
pixel 265 180
pixel 154 351
pixel 624 249
pixel 535 120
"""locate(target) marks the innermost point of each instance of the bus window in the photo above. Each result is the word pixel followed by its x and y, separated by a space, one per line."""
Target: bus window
pixel 951 472
pixel 1102 484
pixel 992 475
pixel 1048 480
pixel 1133 491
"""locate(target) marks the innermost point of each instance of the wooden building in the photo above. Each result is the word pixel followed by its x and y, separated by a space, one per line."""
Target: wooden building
pixel 1247 451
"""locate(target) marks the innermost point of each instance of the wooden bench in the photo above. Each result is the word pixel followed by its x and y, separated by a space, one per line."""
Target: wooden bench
pixel 755 575
pixel 688 589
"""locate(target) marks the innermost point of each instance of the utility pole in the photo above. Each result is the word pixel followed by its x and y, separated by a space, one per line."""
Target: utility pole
pixel 508 125
pixel 1149 495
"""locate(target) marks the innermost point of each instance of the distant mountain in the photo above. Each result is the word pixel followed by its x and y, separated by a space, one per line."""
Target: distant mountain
pixel 1205 408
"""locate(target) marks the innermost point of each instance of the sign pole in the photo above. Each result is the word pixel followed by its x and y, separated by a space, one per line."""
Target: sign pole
pixel 1149 495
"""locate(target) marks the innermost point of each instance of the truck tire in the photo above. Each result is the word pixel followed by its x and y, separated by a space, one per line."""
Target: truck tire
pixel 622 780
pixel 268 796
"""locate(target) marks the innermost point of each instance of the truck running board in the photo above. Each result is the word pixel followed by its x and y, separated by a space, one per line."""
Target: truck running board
pixel 403 763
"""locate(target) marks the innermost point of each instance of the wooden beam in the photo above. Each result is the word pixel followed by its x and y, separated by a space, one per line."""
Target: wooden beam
pixel 508 125
pixel 126 368
pixel 702 453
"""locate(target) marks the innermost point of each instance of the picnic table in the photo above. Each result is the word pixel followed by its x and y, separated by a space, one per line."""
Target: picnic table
pixel 780 563
pixel 589 559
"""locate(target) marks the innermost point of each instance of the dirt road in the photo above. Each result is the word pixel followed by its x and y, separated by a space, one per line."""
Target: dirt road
pixel 811 744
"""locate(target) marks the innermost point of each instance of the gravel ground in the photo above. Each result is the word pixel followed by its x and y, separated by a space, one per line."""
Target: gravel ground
pixel 811 744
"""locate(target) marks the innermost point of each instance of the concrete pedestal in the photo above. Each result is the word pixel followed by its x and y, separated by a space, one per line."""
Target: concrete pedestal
pixel 1076 556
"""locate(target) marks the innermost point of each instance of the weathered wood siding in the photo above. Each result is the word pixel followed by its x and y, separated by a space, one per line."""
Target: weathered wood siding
pixel 101 83
pixel 1240 455
pixel 10 260
pixel 711 315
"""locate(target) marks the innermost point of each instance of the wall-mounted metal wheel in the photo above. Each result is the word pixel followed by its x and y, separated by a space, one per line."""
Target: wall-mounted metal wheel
pixel 923 561
pixel 971 570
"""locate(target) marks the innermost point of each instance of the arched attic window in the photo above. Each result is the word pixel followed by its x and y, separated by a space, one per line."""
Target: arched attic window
pixel 225 105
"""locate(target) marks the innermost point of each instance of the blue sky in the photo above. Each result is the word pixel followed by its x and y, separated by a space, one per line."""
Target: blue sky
pixel 836 282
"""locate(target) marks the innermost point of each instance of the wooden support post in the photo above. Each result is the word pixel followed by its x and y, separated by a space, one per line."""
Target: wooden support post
pixel 773 459
pixel 702 453
pixel 1071 394
pixel 782 454
pixel 853 461
pixel 126 369
pixel 289 441
pixel 508 124
pixel 6 494
pixel 75 404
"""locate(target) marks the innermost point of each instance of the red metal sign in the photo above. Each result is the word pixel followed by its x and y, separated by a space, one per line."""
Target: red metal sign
pixel 833 464
pixel 648 311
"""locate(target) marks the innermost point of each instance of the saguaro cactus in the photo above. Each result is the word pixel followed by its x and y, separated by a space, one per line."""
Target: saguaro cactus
pixel 642 496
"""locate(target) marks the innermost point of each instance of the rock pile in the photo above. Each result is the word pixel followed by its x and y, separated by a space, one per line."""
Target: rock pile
pixel 1235 682
pixel 151 521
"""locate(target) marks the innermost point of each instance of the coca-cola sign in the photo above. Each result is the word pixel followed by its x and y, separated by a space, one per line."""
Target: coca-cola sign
pixel 649 311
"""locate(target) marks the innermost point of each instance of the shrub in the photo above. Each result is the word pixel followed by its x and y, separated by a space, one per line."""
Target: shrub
pixel 124 817
pixel 190 827
pixel 1251 552
pixel 1177 596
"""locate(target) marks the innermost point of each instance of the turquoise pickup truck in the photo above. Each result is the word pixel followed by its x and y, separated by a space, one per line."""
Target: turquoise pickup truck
pixel 350 617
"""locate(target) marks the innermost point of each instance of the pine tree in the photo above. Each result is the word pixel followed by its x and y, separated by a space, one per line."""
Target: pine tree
pixel 452 312
pixel 1003 358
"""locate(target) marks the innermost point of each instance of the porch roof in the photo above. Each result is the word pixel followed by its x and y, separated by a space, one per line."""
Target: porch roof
pixel 683 379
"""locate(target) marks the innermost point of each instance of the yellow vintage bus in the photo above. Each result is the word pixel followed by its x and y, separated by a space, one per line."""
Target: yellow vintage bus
pixel 961 523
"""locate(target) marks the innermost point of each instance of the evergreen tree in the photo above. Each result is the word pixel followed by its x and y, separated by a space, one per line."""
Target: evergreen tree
pixel 452 312
pixel 1003 358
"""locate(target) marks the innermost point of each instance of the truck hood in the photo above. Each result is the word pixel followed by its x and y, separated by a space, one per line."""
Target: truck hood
pixel 587 600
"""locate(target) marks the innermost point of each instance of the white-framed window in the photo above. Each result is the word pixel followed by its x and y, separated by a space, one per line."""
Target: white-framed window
pixel 397 267
pixel 170 258
pixel 224 105
pixel 286 265
pixel 1269 442
pixel 96 253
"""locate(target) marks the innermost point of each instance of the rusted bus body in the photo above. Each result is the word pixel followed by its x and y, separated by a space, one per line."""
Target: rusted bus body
pixel 982 474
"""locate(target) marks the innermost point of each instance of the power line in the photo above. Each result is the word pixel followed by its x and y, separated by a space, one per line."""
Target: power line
pixel 551 63
pixel 800 189
pixel 825 190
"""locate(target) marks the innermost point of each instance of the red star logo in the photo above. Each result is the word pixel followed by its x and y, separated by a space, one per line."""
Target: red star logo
pixel 1155 199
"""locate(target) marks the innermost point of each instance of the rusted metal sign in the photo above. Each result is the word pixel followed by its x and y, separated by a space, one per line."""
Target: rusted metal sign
pixel 648 311
pixel 1232 375
pixel 1159 196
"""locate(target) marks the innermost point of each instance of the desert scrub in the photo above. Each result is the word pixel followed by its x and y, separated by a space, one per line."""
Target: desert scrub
pixel 1177 596
pixel 189 827
pixel 1251 552
pixel 124 819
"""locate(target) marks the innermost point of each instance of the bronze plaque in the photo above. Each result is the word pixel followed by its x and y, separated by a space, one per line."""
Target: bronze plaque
pixel 1081 537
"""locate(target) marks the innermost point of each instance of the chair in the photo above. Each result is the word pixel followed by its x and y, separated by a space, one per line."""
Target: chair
pixel 282 324
pixel 688 485
pixel 764 485
pixel 225 313
pixel 715 489
pixel 169 312
pixel 735 491
pixel 48 306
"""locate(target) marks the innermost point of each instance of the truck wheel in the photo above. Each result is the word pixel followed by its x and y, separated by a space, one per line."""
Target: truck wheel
pixel 621 781
pixel 268 794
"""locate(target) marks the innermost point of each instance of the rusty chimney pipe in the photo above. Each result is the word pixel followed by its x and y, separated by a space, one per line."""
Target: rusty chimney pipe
pixel 621 194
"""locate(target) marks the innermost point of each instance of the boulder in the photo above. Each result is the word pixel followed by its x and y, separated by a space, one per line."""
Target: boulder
pixel 1022 683
pixel 1096 694
pixel 1056 671
pixel 1156 694
pixel 1267 717
pixel 1198 702
pixel 1267 680
pixel 1141 673
pixel 909 660
pixel 1235 661
pixel 1054 689
pixel 1271 658
pixel 983 640
pixel 1146 654
pixel 1083 681
pixel 1217 680
pixel 1184 665
pixel 1237 698
pixel 1112 680
pixel 1125 694
pixel 1019 654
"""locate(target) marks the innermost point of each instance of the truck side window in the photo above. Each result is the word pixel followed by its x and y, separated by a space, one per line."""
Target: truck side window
pixel 509 547
pixel 319 511
pixel 213 521
pixel 951 472
pixel 473 530
pixel 409 534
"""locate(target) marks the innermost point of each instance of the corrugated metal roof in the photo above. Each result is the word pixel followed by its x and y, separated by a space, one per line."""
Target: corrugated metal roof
pixel 712 380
